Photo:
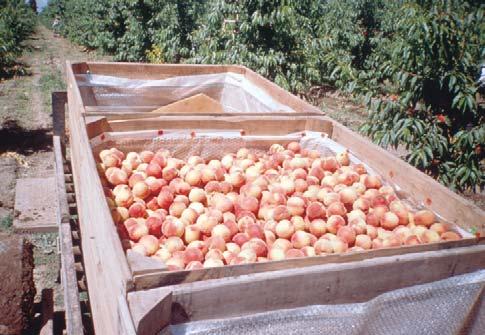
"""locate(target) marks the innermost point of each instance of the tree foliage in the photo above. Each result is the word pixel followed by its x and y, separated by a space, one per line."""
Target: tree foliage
pixel 17 22
pixel 414 61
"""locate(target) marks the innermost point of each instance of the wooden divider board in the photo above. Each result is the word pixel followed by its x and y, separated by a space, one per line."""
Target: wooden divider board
pixel 322 284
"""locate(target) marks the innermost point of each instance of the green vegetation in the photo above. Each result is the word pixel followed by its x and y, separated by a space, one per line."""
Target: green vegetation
pixel 17 21
pixel 6 223
pixel 414 62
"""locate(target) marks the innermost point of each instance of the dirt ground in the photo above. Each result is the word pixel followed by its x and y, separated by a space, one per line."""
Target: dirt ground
pixel 26 138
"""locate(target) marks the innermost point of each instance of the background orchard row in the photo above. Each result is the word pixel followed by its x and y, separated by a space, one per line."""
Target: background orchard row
pixel 414 62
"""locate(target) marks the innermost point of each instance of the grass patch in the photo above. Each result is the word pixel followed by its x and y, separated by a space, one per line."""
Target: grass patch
pixel 6 224
pixel 50 81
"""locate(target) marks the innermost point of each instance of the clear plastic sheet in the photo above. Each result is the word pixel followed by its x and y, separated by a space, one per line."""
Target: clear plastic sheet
pixel 451 306
pixel 232 90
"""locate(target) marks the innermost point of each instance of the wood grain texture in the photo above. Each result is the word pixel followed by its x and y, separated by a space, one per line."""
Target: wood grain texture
pixel 323 284
pixel 107 272
pixel 150 310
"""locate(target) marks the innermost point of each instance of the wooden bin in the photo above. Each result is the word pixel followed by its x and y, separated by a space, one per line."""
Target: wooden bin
pixel 131 293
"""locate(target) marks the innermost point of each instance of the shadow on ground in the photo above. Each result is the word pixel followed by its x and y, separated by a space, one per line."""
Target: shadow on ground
pixel 24 141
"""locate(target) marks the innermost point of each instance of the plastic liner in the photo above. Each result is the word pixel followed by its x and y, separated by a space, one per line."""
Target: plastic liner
pixel 232 90
pixel 451 306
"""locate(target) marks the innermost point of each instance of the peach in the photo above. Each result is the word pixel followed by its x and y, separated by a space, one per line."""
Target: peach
pixel 300 239
pixel 309 251
pixel 232 226
pixel 191 233
pixel 154 225
pixel 363 241
pixel 233 247
pixel 430 236
pixel 116 176
pixel 173 227
pixel 189 215
pixel 276 254
pixel 228 256
pixel 378 200
pixel 236 179
pixel 158 159
pixel 247 203
pixel 398 208
pixel 372 219
pixel 216 242
pixel 379 211
pixel 412 240
pixel 282 244
pixel 402 232
pixel 146 156
pixel 111 160
pixel 141 190
pixel 153 169
pixel 221 231
pixel 163 254
pixel 438 227
pixel 249 254
pixel 371 231
pixel 193 254
pixel 336 208
pixel 123 213
pixel 168 173
pixel 347 234
pixel 284 229
pixel 330 164
pixel 450 236
pixel 255 231
pixel 348 195
pixel 281 213
pixel 201 245
pixel 317 227
pixel 213 263
pixel 358 225
pixel 257 245
pixel 343 158
pixel 315 210
pixel 361 204
pixel 194 265
pixel 323 246
pixel 391 242
pixel 222 203
pixel 389 220
pixel 165 199
pixel 150 243
pixel 294 146
pixel 269 237
pixel 424 218
pixel 173 244
pixel 142 168
pixel 240 238
pixel 213 186
pixel 298 222
pixel 137 231
pixel 135 178
pixel 155 185
pixel 372 182
pixel 206 223
pixel 330 197
pixel 333 223
pixel 137 210
pixel 176 209
pixel 294 253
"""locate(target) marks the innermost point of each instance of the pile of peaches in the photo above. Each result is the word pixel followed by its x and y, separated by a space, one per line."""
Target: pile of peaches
pixel 253 206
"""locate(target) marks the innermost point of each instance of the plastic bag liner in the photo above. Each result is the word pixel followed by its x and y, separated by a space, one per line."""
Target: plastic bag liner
pixel 232 90
pixel 451 306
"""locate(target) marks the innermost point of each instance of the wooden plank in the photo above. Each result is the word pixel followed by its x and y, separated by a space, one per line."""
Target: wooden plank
pixel 197 104
pixel 106 268
pixel 322 284
pixel 125 321
pixel 150 310
pixel 157 278
pixel 140 264
pixel 421 187
pixel 68 273
pixel 96 125
pixel 59 100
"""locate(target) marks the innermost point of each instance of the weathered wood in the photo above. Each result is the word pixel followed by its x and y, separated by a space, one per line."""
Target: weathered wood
pixel 59 101
pixel 106 268
pixel 150 310
pixel 68 272
pixel 322 284
pixel 157 278
pixel 125 321
pixel 140 264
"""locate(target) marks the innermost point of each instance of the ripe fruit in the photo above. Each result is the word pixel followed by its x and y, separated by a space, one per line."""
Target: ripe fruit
pixel 424 218
pixel 284 229
pixel 389 221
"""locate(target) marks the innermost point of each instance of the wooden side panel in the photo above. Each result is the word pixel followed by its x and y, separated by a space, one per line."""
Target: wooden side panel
pixel 421 188
pixel 323 284
pixel 107 271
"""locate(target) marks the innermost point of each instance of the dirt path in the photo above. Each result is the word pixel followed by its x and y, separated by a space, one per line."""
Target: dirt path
pixel 26 137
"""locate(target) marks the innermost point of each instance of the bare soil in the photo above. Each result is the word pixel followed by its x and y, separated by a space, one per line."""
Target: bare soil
pixel 26 139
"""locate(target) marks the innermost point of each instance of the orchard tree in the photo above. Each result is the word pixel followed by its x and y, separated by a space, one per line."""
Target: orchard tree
pixel 433 112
